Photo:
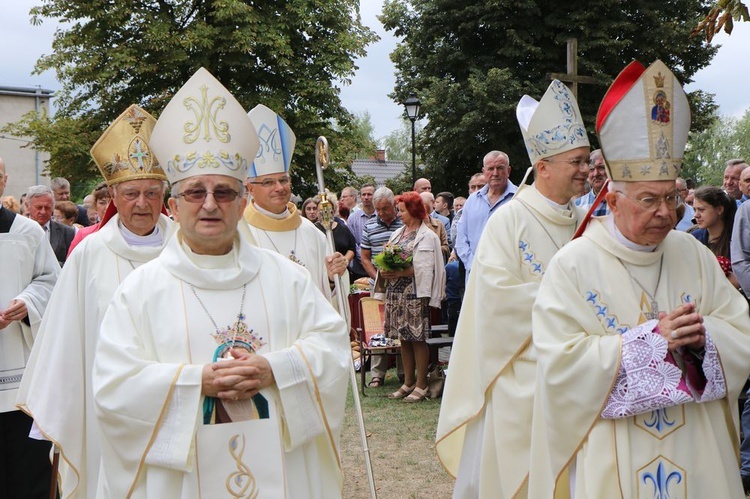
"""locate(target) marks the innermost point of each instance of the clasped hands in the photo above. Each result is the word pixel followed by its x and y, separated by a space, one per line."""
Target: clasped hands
pixel 16 311
pixel 683 327
pixel 239 378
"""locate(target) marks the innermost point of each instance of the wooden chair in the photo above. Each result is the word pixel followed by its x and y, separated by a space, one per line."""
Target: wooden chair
pixel 372 320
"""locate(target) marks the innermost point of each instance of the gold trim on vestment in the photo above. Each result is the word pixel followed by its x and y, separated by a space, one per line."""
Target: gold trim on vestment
pixel 322 409
pixel 24 408
pixel 263 222
pixel 156 428
pixel 515 356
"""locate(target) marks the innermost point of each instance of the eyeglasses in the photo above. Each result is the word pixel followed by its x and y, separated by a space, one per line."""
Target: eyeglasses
pixel 578 163
pixel 651 203
pixel 133 195
pixel 475 187
pixel 270 183
pixel 199 195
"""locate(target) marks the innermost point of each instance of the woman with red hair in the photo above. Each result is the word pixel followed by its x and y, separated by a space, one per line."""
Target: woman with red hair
pixel 410 291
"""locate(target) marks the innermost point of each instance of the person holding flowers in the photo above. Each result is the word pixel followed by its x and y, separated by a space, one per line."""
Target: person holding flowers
pixel 412 266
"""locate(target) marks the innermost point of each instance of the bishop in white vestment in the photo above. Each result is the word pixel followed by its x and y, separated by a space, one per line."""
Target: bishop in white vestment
pixel 57 389
pixel 643 345
pixel 221 370
pixel 275 223
pixel 484 430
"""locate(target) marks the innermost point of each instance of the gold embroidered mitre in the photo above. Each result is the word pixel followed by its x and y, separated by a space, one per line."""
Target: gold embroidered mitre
pixel 122 152
pixel 204 131
pixel 553 125
pixel 277 142
pixel 643 124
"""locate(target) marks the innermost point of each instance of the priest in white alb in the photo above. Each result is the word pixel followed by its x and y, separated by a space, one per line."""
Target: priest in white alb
pixel 56 391
pixel 642 344
pixel 28 273
pixel 221 369
pixel 275 222
pixel 484 430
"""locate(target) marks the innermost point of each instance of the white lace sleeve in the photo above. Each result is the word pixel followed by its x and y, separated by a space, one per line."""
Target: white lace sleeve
pixel 716 386
pixel 646 381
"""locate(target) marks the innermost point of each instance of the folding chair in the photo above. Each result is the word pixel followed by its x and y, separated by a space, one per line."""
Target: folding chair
pixel 372 316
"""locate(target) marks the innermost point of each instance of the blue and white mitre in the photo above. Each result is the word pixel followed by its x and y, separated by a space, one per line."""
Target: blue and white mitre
pixel 277 142
pixel 553 125
pixel 204 131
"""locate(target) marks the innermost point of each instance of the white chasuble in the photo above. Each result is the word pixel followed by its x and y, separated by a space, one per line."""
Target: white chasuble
pixel 591 333
pixel 157 335
pixel 484 430
pixel 29 272
pixel 297 239
pixel 56 391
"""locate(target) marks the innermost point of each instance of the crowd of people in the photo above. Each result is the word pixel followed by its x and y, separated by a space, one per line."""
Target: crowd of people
pixel 599 313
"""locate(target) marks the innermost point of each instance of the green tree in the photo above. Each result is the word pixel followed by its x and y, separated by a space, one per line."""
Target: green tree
pixel 708 151
pixel 287 55
pixel 397 144
pixel 470 62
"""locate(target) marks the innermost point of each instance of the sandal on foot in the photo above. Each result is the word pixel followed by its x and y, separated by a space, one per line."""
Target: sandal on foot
pixel 401 392
pixel 417 395
pixel 375 382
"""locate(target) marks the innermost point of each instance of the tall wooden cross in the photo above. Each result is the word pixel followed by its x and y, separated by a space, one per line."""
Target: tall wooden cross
pixel 572 78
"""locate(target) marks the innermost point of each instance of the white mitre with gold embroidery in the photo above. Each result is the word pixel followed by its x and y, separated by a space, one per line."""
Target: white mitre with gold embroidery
pixel 643 124
pixel 277 142
pixel 204 131
pixel 122 151
pixel 553 125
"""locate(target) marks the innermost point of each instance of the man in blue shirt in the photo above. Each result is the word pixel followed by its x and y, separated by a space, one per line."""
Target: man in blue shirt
pixel 482 204
pixel 597 177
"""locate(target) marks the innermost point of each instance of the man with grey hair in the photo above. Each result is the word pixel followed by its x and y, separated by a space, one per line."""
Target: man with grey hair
pixel 687 218
pixel 28 273
pixel 597 178
pixel 61 189
pixel 374 236
pixel 483 203
pixel 349 198
pixel 732 173
pixel 356 223
pixel 40 201
pixel 135 233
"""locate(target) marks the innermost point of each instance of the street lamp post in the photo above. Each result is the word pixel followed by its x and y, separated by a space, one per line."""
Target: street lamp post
pixel 412 111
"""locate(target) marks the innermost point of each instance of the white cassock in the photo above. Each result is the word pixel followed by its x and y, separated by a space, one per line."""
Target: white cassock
pixel 615 413
pixel 296 238
pixel 484 430
pixel 157 335
pixel 56 390
pixel 29 272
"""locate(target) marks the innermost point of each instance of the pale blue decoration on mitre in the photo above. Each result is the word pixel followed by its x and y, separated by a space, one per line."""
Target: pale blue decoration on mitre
pixel 204 130
pixel 553 125
pixel 277 142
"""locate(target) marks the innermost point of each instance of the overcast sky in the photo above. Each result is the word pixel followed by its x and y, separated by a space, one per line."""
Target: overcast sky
pixel 727 77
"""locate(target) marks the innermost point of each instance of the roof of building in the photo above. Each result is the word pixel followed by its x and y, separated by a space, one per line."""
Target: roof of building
pixel 379 170
pixel 25 91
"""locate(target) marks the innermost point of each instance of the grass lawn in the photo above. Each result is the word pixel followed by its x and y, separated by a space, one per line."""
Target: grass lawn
pixel 402 447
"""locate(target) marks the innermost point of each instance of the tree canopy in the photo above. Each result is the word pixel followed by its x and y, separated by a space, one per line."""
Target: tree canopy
pixel 709 150
pixel 291 56
pixel 470 62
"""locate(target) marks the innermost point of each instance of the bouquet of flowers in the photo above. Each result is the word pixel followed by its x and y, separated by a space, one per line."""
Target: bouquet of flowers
pixel 393 257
